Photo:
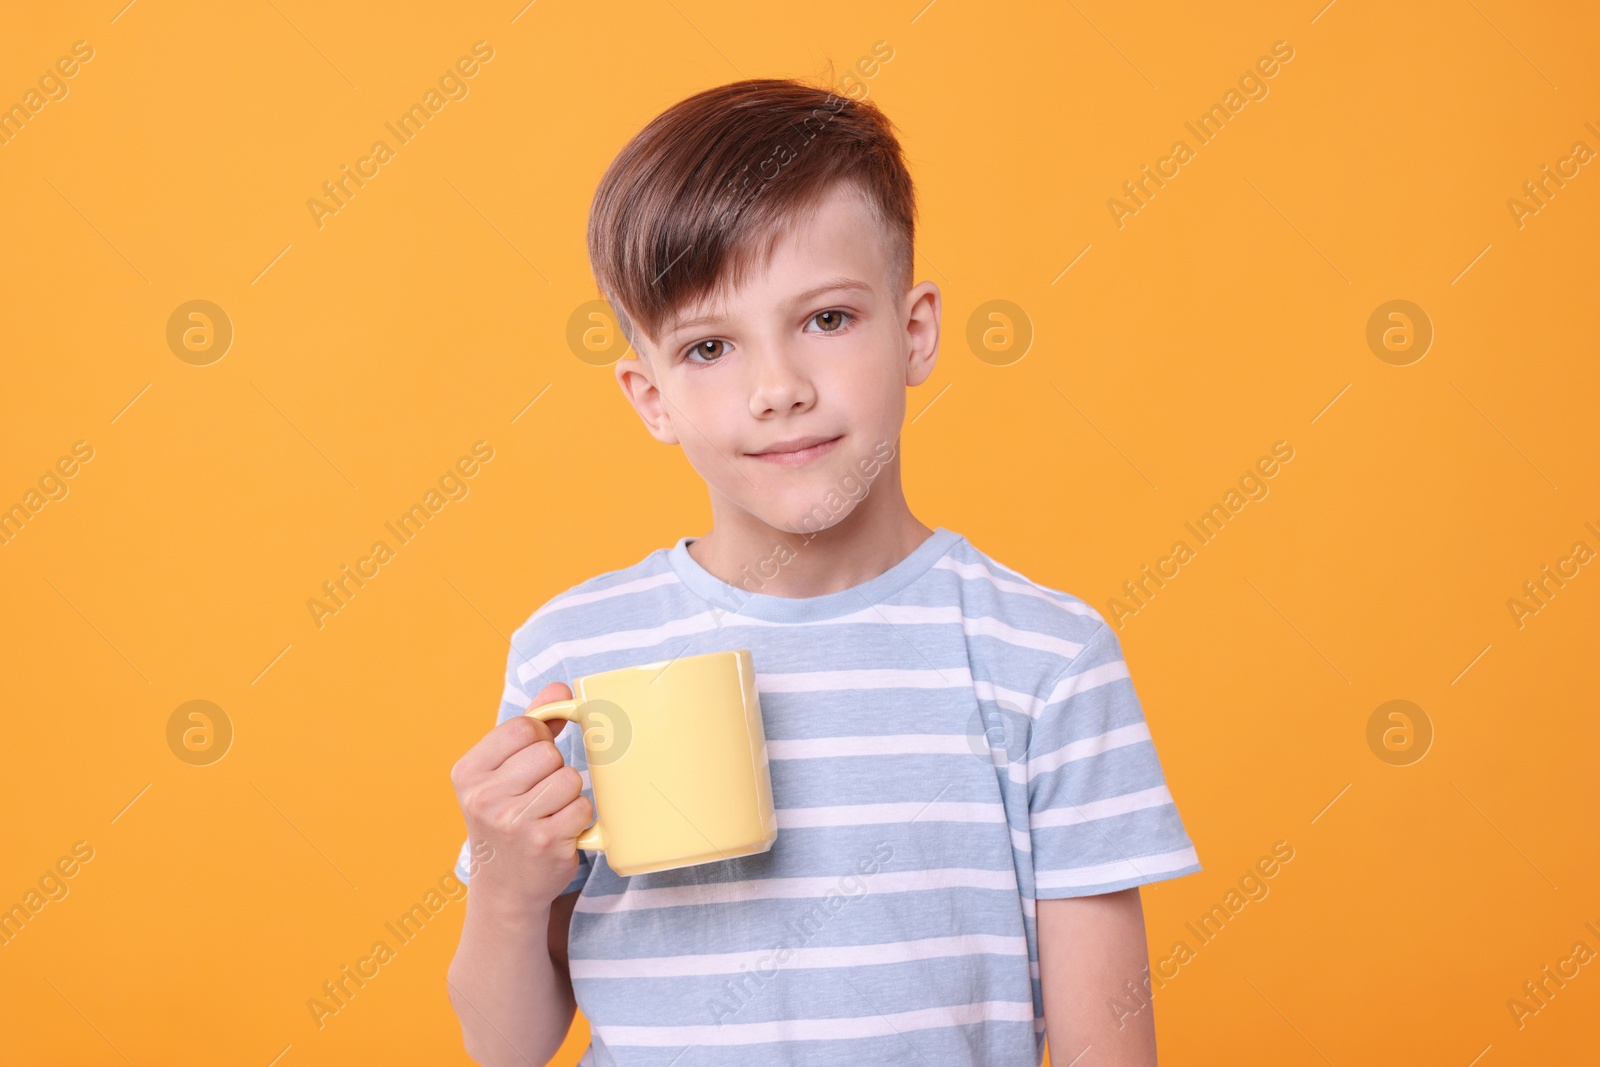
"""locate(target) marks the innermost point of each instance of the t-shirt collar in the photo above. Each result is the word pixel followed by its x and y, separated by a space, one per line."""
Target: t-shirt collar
pixel 742 601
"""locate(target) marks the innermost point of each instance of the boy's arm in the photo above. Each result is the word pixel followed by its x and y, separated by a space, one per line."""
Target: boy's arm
pixel 1101 822
pixel 1090 947
pixel 524 808
pixel 510 988
pixel 509 982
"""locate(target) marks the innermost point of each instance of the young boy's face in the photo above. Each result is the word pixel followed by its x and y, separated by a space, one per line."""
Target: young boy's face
pixel 795 357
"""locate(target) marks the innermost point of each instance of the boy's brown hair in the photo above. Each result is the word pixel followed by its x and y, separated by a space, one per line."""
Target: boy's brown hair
pixel 702 193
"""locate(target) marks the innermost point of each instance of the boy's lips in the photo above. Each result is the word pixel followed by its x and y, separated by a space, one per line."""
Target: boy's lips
pixel 797 451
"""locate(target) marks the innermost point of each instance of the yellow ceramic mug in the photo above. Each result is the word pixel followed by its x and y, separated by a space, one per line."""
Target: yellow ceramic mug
pixel 677 761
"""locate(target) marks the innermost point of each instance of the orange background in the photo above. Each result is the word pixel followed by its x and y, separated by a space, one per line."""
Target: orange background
pixel 1229 313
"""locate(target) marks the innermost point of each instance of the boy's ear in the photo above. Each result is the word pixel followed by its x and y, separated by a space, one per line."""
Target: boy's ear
pixel 634 376
pixel 924 306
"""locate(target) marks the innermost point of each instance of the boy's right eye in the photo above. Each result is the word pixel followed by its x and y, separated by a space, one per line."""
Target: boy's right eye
pixel 703 348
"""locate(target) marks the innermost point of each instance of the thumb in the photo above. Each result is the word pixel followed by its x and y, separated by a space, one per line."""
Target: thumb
pixel 549 695
pixel 552 692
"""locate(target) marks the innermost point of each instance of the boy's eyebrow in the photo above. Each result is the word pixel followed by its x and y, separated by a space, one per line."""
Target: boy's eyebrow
pixel 829 286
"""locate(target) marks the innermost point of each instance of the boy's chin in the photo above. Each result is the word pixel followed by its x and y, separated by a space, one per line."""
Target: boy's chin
pixel 810 517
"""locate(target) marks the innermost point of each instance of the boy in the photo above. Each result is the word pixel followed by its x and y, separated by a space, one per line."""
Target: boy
pixel 967 793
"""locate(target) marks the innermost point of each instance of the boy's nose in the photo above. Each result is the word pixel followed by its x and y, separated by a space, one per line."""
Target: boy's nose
pixel 781 384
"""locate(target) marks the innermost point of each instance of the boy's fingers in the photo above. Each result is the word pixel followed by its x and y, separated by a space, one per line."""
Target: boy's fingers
pixel 549 695
pixel 574 817
pixel 546 797
pixel 523 770
pixel 512 736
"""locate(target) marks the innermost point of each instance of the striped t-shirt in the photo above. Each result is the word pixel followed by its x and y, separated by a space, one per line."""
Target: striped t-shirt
pixel 948 742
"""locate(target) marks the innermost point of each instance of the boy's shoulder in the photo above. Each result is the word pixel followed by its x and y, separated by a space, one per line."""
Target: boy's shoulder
pixel 991 590
pixel 585 626
pixel 603 600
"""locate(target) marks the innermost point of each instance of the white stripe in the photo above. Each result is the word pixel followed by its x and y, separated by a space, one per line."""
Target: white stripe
pixel 1120 870
pixel 894 614
pixel 904 615
pixel 868 814
pixel 1031 704
pixel 615 641
pixel 803 958
pixel 1023 586
pixel 952 614
pixel 970 745
pixel 1092 678
pixel 1074 603
pixel 631 899
pixel 984 626
pixel 1087 747
pixel 884 678
pixel 572 600
pixel 875 745
pixel 1073 815
pixel 829 1029
pixel 955 745
pixel 881 615
pixel 1034 705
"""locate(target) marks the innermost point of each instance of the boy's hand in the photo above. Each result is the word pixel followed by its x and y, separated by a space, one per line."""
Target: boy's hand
pixel 518 795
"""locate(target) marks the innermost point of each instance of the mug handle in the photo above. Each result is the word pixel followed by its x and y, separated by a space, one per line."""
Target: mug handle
pixel 568 710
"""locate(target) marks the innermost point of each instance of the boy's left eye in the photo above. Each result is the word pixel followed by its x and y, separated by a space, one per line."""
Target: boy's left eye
pixel 836 316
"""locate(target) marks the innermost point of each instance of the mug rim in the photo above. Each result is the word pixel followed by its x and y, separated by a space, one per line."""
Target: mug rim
pixel 684 659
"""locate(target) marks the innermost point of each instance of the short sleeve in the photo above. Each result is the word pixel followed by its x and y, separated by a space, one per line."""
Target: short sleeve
pixel 528 670
pixel 1100 815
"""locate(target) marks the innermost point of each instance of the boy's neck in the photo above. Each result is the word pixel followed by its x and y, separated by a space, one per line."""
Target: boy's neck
pixel 746 552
